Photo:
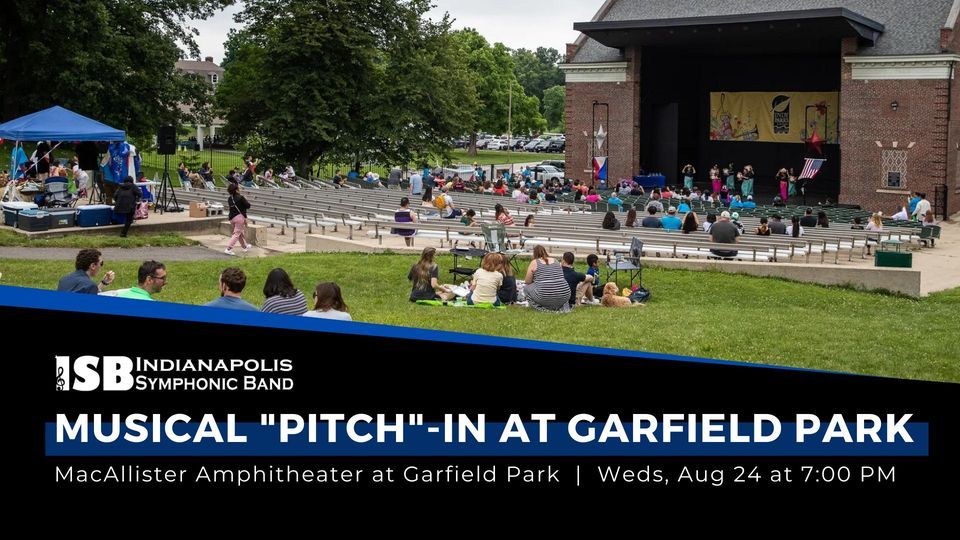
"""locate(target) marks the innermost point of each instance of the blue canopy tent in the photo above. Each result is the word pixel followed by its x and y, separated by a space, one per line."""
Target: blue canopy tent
pixel 54 124
pixel 58 124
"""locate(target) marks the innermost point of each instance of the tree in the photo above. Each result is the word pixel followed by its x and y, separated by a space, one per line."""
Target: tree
pixel 340 80
pixel 492 73
pixel 554 101
pixel 538 70
pixel 110 60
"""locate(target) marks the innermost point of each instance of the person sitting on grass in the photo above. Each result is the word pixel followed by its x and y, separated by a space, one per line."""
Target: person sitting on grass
pixel 581 285
pixel 151 278
pixel 508 289
pixel 88 264
pixel 281 296
pixel 546 289
pixel 486 281
pixel 328 303
pixel 425 275
pixel 232 283
pixel 593 270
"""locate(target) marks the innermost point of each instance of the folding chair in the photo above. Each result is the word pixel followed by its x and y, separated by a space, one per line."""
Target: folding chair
pixel 496 241
pixel 628 262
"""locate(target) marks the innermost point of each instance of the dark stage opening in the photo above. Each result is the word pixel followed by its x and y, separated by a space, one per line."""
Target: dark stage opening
pixel 676 84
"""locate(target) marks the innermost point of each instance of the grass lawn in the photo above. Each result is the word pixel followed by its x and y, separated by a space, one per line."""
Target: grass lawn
pixel 710 315
pixel 9 238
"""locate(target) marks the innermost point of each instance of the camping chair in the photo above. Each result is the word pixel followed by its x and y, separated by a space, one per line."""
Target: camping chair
pixel 495 240
pixel 628 262
pixel 57 193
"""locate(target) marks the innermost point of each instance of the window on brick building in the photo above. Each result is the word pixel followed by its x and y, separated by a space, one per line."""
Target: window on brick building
pixel 893 167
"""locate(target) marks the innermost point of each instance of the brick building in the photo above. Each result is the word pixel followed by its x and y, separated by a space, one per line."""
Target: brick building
pixel 649 73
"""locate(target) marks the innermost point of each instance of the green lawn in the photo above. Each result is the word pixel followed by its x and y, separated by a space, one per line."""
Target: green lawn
pixel 9 238
pixel 710 315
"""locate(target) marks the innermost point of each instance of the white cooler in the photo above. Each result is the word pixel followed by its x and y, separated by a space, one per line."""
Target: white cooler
pixel 11 209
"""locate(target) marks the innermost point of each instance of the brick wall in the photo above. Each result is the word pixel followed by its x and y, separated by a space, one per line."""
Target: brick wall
pixel 866 116
pixel 950 41
pixel 623 131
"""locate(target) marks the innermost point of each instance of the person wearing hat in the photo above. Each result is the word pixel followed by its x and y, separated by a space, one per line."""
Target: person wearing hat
pixel 671 222
pixel 736 221
pixel 724 232
pixel 749 202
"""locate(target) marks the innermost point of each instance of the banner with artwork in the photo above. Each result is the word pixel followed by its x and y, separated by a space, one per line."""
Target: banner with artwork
pixel 786 117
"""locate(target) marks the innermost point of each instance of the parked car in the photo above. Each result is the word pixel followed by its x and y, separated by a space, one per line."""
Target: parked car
pixel 496 144
pixel 532 145
pixel 561 165
pixel 482 143
pixel 556 145
pixel 542 146
pixel 546 173
pixel 461 143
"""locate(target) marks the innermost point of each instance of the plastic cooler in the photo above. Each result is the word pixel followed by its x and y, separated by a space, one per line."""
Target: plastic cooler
pixel 31 221
pixel 11 209
pixel 63 218
pixel 94 215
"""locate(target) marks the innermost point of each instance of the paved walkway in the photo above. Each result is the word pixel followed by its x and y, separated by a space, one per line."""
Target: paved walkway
pixel 189 253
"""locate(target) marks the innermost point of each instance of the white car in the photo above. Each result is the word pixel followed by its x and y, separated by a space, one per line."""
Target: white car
pixel 546 173
pixel 496 144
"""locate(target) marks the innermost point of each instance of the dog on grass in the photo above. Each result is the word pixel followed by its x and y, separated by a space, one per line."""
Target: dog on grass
pixel 612 298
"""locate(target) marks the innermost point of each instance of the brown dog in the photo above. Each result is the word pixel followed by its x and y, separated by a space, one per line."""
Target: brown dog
pixel 612 298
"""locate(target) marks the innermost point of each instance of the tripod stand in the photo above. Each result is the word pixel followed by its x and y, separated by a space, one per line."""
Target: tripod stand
pixel 163 198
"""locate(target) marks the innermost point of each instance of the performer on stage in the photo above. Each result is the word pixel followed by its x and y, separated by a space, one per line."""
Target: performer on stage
pixel 784 178
pixel 730 176
pixel 714 179
pixel 792 189
pixel 688 173
pixel 746 178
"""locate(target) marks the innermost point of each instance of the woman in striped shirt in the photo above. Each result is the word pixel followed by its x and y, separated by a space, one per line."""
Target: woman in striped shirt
pixel 502 215
pixel 546 289
pixel 282 296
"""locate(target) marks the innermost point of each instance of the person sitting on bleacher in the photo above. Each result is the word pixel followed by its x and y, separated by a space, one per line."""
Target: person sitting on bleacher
pixel 690 223
pixel 631 220
pixel 735 219
pixel 874 225
pixel 502 215
pixel 724 232
pixel 651 221
pixel 655 204
pixel 206 173
pixel 671 222
pixel 444 203
pixel 711 220
pixel 735 203
pixel 749 202
pixel 928 219
pixel 615 200
pixel 684 207
pixel 610 222
pixel 901 215
pixel 795 229
pixel 777 226
pixel 808 219
pixel 763 229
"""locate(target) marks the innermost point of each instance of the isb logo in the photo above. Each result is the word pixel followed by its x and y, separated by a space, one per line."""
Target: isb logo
pixel 83 374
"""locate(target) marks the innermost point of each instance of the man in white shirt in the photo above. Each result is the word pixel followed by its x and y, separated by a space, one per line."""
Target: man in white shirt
pixel 922 207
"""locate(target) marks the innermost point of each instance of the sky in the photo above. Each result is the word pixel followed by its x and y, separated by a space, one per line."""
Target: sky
pixel 517 24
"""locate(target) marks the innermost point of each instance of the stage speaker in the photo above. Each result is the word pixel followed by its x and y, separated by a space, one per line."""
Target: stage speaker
pixel 167 141
pixel 88 156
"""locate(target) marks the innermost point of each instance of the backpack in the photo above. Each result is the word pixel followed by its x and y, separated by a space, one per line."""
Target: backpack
pixel 441 201
pixel 640 296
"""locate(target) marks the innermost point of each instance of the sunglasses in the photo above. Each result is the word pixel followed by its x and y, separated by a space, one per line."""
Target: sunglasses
pixel 164 278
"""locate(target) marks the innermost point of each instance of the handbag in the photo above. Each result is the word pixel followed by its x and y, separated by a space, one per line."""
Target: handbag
pixel 639 296
pixel 142 211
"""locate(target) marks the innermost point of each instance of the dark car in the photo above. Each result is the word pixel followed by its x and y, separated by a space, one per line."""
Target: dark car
pixel 554 163
pixel 556 145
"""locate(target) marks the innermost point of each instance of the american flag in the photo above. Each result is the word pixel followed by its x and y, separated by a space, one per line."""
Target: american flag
pixel 811 167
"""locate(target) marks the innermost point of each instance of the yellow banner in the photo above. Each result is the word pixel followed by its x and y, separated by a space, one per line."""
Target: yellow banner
pixel 787 117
